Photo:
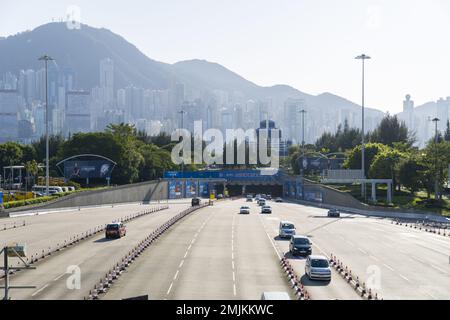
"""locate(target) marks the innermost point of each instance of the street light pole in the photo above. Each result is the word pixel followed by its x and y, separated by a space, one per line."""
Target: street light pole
pixel 46 59
pixel 436 184
pixel 363 57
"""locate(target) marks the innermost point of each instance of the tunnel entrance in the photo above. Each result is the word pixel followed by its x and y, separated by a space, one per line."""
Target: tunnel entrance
pixel 273 190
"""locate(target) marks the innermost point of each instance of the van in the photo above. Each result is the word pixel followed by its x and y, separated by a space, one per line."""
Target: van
pixel 286 229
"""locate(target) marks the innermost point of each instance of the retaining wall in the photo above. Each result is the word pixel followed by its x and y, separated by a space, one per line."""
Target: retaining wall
pixel 139 192
pixel 343 201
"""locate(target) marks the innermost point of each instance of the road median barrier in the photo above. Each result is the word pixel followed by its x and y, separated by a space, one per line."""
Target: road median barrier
pixel 300 291
pixel 12 225
pixel 76 239
pixel 437 228
pixel 105 283
pixel 346 273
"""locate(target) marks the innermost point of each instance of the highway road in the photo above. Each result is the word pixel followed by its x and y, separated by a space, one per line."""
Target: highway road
pixel 45 231
pixel 213 254
pixel 398 262
pixel 216 253
pixel 94 257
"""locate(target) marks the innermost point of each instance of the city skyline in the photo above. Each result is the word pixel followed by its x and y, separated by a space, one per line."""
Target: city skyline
pixel 320 64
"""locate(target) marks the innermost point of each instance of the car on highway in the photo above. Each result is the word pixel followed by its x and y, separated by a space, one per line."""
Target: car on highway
pixel 286 229
pixel 269 197
pixel 115 230
pixel 318 268
pixel 244 210
pixel 195 202
pixel 334 213
pixel 278 200
pixel 300 245
pixel 275 296
pixel 266 209
pixel 261 202
pixel 249 199
pixel 219 196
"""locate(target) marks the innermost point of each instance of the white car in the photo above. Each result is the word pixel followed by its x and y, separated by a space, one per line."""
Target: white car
pixel 318 268
pixel 286 230
pixel 244 210
pixel 266 209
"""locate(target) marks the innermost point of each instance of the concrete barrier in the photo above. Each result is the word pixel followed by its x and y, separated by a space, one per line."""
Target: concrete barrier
pixel 139 192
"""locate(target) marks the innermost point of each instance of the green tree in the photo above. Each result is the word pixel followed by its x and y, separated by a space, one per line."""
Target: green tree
pixel 344 139
pixel 353 160
pixel 391 130
pixel 32 169
pixel 155 162
pixel 11 153
pixel 436 159
pixel 411 173
pixel 385 165
pixel 55 142
pixel 447 132
pixel 120 148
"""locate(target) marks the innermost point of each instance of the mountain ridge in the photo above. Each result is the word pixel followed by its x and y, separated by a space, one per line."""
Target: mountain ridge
pixel 132 66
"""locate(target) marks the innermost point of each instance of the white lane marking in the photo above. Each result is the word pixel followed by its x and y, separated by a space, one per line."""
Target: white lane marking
pixel 189 248
pixel 59 277
pixel 437 268
pixel 176 275
pixel 365 252
pixel 234 289
pixel 234 277
pixel 170 288
pixel 185 255
pixel 405 278
pixel 232 256
pixel 374 258
pixel 273 245
pixel 388 266
pixel 181 264
pixel 232 265
pixel 431 295
pixel 40 290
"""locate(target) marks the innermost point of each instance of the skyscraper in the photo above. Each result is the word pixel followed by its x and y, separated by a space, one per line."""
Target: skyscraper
pixel 107 80
pixel 9 108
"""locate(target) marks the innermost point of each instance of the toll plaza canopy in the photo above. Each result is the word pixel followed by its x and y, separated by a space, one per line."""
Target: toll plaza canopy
pixel 230 176
pixel 234 182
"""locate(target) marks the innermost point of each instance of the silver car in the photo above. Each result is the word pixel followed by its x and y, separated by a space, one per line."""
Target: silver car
pixel 286 230
pixel 245 210
pixel 318 268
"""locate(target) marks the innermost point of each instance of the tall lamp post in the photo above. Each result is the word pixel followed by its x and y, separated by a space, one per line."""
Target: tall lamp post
pixel 436 183
pixel 363 58
pixel 46 59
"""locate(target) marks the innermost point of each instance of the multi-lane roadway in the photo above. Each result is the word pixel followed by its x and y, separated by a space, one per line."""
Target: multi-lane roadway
pixel 216 253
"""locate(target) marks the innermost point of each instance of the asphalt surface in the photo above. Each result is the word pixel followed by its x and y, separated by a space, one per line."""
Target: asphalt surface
pixel 397 262
pixel 93 257
pixel 216 253
pixel 213 254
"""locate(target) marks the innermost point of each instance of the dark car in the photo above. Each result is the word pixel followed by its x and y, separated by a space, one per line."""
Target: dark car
pixel 334 213
pixel 300 245
pixel 115 230
pixel 278 200
pixel 195 202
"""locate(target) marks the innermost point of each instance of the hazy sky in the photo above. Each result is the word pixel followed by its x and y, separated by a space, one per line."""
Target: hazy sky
pixel 309 44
